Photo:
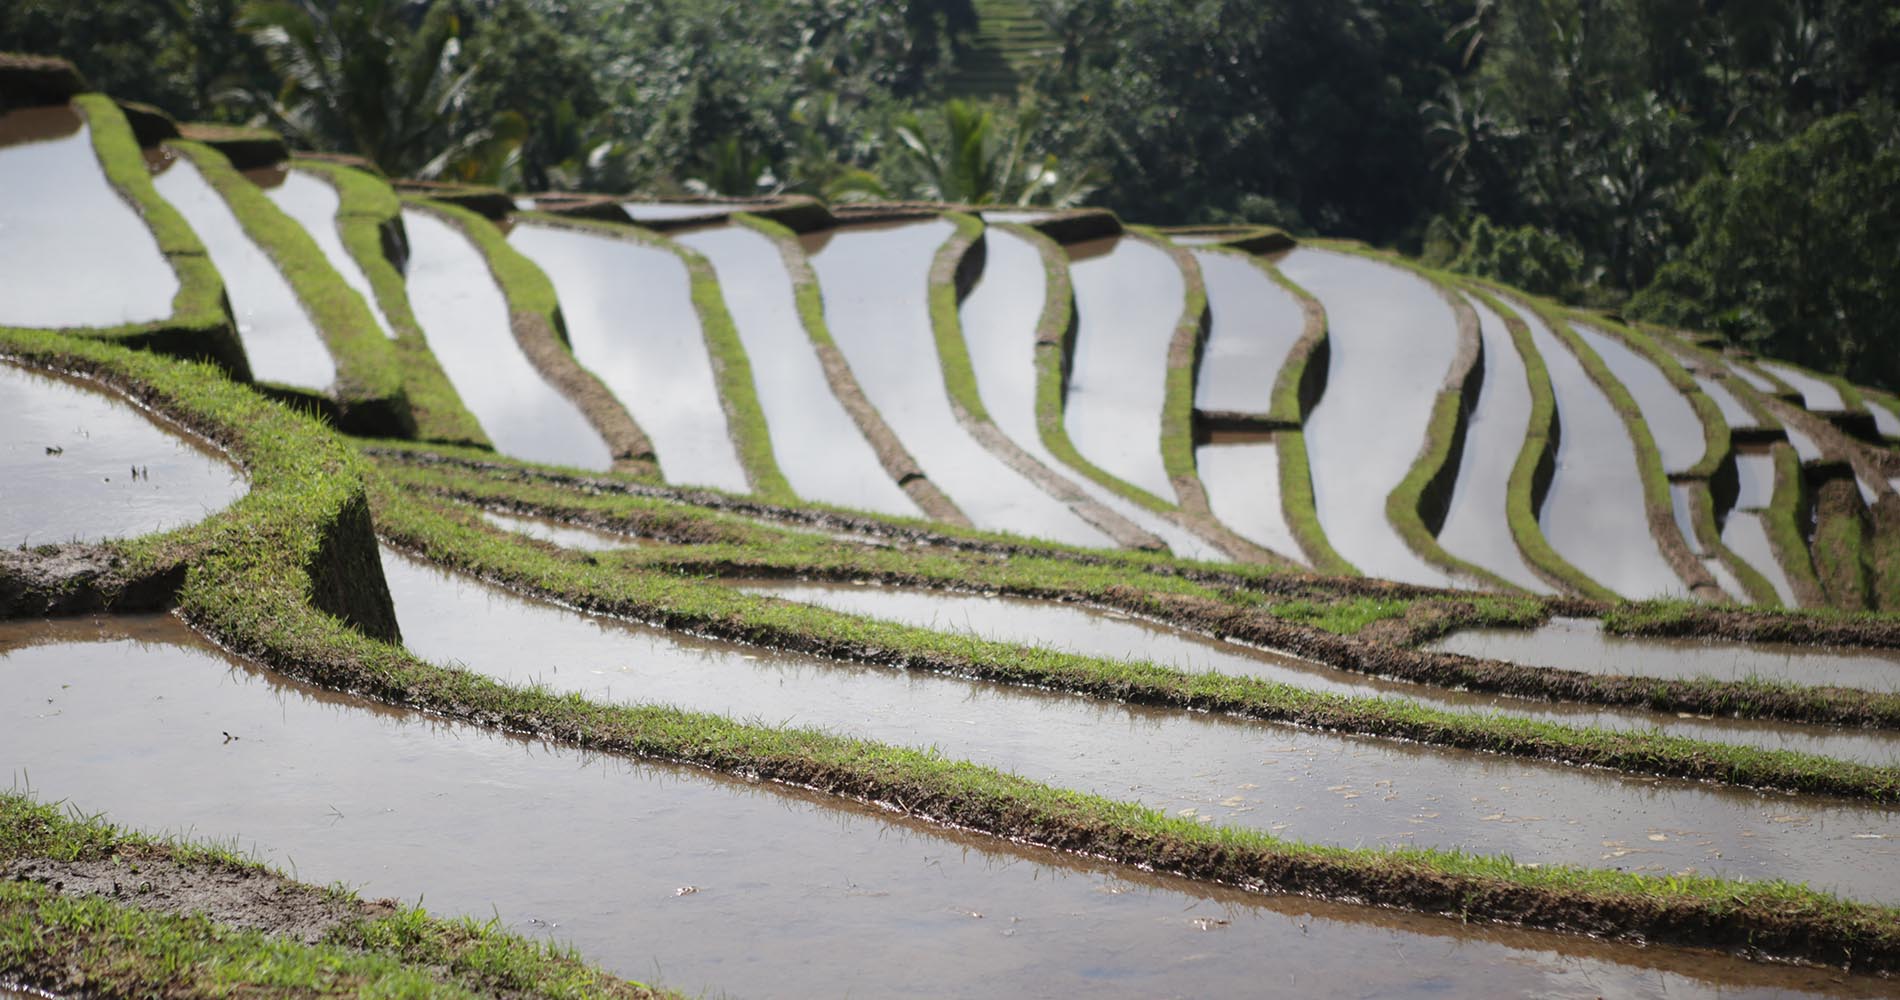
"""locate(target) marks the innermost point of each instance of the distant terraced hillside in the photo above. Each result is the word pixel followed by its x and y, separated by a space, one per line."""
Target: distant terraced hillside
pixel 1009 44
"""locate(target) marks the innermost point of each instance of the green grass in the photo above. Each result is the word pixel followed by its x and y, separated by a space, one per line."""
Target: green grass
pixel 369 389
pixel 1184 363
pixel 946 321
pixel 114 948
pixel 368 212
pixel 1843 562
pixel 1302 511
pixel 1785 521
pixel 1301 377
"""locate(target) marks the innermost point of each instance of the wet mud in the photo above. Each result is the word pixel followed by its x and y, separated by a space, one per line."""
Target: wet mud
pixel 280 342
pixel 465 319
pixel 1393 338
pixel 75 252
pixel 631 321
pixel 80 464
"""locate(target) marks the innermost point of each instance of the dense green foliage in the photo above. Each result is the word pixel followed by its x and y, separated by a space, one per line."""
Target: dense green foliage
pixel 1587 149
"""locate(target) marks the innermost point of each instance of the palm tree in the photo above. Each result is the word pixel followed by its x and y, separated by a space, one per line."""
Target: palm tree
pixel 963 159
pixel 356 77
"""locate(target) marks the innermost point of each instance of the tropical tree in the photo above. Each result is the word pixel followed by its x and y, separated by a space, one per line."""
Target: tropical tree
pixel 965 156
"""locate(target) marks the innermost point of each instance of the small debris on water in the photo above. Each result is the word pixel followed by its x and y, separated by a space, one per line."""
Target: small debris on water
pixel 686 890
pixel 53 449
pixel 1209 923
pixel 228 737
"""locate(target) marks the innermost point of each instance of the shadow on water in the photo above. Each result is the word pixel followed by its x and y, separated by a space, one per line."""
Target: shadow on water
pixel 702 882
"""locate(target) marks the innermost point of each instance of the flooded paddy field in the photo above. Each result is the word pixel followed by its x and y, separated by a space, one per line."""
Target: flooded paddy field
pixel 1000 319
pixel 313 203
pixel 1393 339
pixel 280 342
pixel 1312 786
pixel 1243 490
pixel 1594 515
pixel 1581 644
pixel 147 724
pixel 1255 325
pixel 75 252
pixel 1128 300
pixel 1747 537
pixel 1672 421
pixel 1477 526
pixel 79 463
pixel 1816 395
pixel 570 536
pixel 631 321
pixel 464 317
pixel 875 280
pixel 820 449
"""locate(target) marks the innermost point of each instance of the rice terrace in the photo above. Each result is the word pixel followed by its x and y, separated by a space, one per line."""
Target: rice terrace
pixel 501 497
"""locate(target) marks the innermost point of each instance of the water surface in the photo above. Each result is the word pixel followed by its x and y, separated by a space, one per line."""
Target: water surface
pixel 1477 527
pixel 1816 395
pixel 1000 319
pixel 464 316
pixel 1128 300
pixel 1243 491
pixel 313 203
pixel 67 454
pixel 1255 325
pixel 1746 536
pixel 1755 470
pixel 280 342
pixel 1672 421
pixel 821 892
pixel 876 285
pixel 1886 420
pixel 1804 446
pixel 1737 416
pixel 1594 515
pixel 570 536
pixel 73 251
pixel 1393 340
pixel 631 321
pixel 818 446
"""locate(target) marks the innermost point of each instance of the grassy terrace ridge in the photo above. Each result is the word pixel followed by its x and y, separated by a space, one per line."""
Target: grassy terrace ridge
pixel 369 397
pixel 1786 523
pixel 200 327
pixel 1303 618
pixel 255 590
pixel 619 584
pixel 732 370
pixel 1184 365
pixel 369 219
pixel 93 945
pixel 896 460
pixel 534 316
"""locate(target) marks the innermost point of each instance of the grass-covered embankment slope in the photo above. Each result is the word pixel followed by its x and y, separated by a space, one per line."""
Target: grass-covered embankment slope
pixel 369 219
pixel 534 316
pixel 1324 620
pixel 369 397
pixel 732 369
pixel 87 909
pixel 896 460
pixel 305 523
pixel 200 327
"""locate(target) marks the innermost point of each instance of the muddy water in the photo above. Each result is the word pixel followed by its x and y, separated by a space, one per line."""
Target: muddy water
pixel 570 536
pixel 1255 324
pixel 1393 339
pixel 74 252
pixel 818 446
pixel 365 796
pixel 1816 395
pixel 1672 421
pixel 1745 535
pixel 876 283
pixel 1128 299
pixel 1755 470
pixel 1000 317
pixel 311 201
pixel 1110 635
pixel 280 341
pixel 1315 786
pixel 1243 490
pixel 1581 644
pixel 1477 527
pixel 85 491
pixel 1734 413
pixel 631 321
pixel 464 317
pixel 1594 516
